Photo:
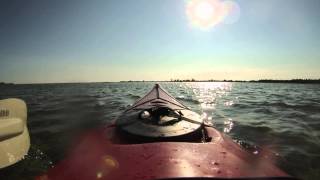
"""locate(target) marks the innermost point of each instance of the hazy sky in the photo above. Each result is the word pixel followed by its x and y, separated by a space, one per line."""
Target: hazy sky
pixel 76 41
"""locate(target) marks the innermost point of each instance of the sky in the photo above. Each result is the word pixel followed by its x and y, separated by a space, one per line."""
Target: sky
pixel 45 41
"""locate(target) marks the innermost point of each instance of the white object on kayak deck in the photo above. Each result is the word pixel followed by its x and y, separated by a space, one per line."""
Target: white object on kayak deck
pixel 14 135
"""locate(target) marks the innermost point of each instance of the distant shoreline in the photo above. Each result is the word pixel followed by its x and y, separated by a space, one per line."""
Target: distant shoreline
pixel 3 83
pixel 296 81
pixel 292 81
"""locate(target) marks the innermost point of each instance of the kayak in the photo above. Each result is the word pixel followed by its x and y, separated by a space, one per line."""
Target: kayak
pixel 14 135
pixel 160 138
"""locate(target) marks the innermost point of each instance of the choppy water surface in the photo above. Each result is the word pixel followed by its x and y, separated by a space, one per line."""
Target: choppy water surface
pixel 282 117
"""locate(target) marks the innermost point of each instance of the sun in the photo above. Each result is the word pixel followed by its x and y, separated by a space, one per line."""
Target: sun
pixel 205 14
pixel 204 10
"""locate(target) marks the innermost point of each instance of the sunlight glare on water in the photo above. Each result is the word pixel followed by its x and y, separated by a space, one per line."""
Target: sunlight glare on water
pixel 208 94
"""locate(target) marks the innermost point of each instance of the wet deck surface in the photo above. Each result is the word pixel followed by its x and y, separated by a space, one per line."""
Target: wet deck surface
pixel 93 158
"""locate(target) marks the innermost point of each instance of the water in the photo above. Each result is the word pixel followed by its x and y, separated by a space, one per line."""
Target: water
pixel 281 117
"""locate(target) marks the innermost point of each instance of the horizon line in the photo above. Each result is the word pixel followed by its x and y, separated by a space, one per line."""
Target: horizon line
pixel 296 80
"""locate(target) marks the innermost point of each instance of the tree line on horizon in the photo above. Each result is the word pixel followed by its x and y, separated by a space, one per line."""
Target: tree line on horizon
pixel 260 80
pixel 300 81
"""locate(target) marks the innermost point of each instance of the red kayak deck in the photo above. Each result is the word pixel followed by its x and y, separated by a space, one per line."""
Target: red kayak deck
pixel 96 157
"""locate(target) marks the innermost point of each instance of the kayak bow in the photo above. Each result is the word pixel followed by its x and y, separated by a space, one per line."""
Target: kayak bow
pixel 160 138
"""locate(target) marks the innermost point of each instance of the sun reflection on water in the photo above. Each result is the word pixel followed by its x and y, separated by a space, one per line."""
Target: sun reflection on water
pixel 210 95
pixel 228 125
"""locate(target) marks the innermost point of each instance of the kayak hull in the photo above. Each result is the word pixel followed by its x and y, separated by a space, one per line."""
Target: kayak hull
pixel 102 155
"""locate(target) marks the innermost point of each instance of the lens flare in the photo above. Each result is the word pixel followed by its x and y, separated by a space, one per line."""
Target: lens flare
pixel 205 14
pixel 233 10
